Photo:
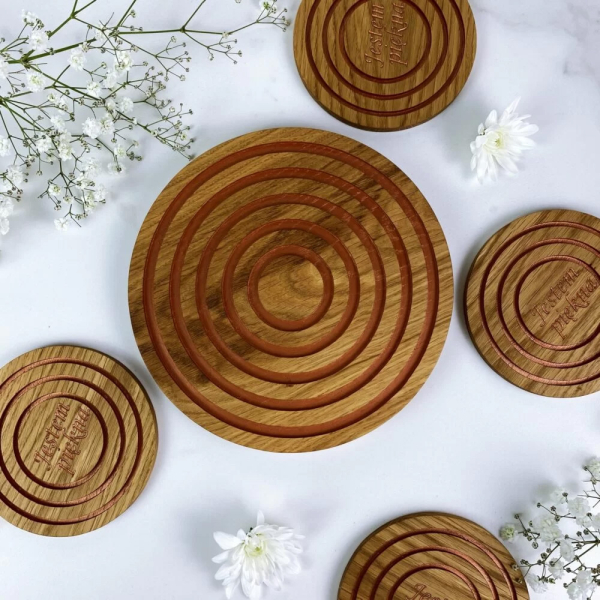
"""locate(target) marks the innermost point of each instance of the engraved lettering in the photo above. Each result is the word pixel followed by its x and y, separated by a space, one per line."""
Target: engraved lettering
pixel 387 37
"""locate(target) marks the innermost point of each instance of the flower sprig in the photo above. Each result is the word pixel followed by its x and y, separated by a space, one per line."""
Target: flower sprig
pixel 80 119
pixel 564 536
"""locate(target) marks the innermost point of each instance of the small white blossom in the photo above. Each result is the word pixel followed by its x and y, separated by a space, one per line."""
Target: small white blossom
pixel 58 123
pixel 92 128
pixel 65 150
pixel 38 40
pixel 558 497
pixel 58 100
pixel 77 59
pixel 114 168
pixel 567 551
pixel 593 466
pixel 107 125
pixel 29 18
pixel 5 147
pixel 36 82
pixel 54 190
pixel 91 167
pixel 557 569
pixel 579 507
pixel 100 193
pixel 62 224
pixel 125 105
pixel 44 145
pixel 110 80
pixel 123 62
pixel 501 141
pixel 548 529
pixel 15 175
pixel 582 587
pixel 3 68
pixel 536 584
pixel 111 104
pixel 119 151
pixel 93 89
pixel 508 532
pixel 7 207
pixel 263 556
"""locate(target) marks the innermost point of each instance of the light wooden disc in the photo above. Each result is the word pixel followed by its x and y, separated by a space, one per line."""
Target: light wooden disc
pixel 432 556
pixel 78 440
pixel 290 290
pixel 384 65
pixel 532 303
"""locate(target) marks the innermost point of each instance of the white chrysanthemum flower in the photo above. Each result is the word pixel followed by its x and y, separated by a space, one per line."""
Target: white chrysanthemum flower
pixel 54 190
pixel 36 82
pixel 548 529
pixel 557 569
pixel 3 68
pixel 123 61
pixel 567 551
pixel 536 584
pixel 38 40
pixel 593 466
pixel 263 556
pixel 508 532
pixel 92 128
pixel 28 17
pixel 125 105
pixel 62 224
pixel 15 175
pixel 94 89
pixel 77 59
pixel 44 145
pixel 5 147
pixel 107 125
pixel 500 142
pixel 58 123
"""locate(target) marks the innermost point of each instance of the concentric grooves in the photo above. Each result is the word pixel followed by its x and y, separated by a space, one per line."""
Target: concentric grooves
pixel 339 234
pixel 531 303
pixel 77 440
pixel 384 64
pixel 431 556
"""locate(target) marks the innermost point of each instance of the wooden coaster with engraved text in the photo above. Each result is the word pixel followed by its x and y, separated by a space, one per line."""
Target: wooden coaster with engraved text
pixel 384 65
pixel 78 440
pixel 532 303
pixel 432 556
pixel 290 290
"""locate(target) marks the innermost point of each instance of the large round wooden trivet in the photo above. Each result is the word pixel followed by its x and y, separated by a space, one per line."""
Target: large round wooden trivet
pixel 533 303
pixel 78 440
pixel 384 64
pixel 432 556
pixel 290 290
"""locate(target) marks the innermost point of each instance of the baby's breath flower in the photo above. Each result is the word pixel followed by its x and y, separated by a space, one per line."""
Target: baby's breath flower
pixel 5 147
pixel 38 40
pixel 62 224
pixel 92 128
pixel 77 59
pixel 36 82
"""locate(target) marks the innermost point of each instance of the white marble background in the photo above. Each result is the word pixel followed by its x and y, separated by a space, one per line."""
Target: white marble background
pixel 469 443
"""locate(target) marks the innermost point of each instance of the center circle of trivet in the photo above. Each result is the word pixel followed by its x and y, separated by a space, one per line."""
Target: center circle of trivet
pixel 432 555
pixel 532 303
pixel 290 214
pixel 78 440
pixel 299 277
pixel 384 64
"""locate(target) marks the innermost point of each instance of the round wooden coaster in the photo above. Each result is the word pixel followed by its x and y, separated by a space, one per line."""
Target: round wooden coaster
pixel 432 556
pixel 533 305
pixel 78 440
pixel 290 290
pixel 384 65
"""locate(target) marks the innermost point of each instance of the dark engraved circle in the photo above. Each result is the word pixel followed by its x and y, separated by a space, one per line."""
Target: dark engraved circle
pixel 254 296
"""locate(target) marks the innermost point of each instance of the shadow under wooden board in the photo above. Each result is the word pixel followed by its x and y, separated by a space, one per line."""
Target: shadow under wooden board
pixel 384 65
pixel 78 440
pixel 532 303
pixel 432 556
pixel 290 290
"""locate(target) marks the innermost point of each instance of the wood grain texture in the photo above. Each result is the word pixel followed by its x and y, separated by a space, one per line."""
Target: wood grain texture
pixel 290 290
pixel 432 556
pixel 384 65
pixel 78 440
pixel 532 303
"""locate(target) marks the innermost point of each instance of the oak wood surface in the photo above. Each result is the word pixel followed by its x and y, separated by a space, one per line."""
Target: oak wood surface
pixel 384 65
pixel 78 440
pixel 532 303
pixel 432 556
pixel 290 290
